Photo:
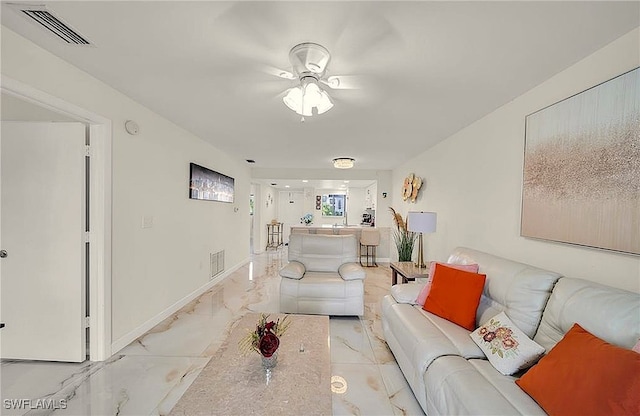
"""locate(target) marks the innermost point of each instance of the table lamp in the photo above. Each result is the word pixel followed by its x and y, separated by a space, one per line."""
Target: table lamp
pixel 421 222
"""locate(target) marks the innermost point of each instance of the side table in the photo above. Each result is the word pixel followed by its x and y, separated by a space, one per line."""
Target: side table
pixel 274 235
pixel 408 270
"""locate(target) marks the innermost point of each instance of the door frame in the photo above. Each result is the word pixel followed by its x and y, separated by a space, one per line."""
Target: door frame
pixel 100 216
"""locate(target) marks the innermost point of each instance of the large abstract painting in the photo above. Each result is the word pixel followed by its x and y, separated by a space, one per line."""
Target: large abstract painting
pixel 582 168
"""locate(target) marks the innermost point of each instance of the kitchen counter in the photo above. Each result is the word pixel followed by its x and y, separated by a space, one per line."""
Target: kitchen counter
pixel 323 228
pixel 330 229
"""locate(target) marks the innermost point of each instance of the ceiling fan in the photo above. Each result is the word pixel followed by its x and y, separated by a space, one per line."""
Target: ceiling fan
pixel 309 62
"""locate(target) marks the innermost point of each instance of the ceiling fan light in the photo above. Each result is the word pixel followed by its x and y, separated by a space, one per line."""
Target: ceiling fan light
pixel 293 99
pixel 311 94
pixel 314 97
pixel 324 104
pixel 309 61
pixel 343 162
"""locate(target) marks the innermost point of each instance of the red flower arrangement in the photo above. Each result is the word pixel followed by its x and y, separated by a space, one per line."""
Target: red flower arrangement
pixel 266 338
pixel 269 343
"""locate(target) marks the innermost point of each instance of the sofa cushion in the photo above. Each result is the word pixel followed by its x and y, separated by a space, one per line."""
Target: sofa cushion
pixel 322 285
pixel 351 271
pixel 293 270
pixel 609 313
pixel 455 334
pixel 507 348
pixel 583 374
pixel 520 290
pixel 407 293
pixel 432 268
pixel 455 295
pixel 455 386
pixel 418 337
pixel 425 336
pixel 322 293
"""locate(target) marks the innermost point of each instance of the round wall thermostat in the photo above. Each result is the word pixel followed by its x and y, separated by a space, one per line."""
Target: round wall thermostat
pixel 132 127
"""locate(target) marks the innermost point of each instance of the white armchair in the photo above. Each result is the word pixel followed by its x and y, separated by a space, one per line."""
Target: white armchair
pixel 322 276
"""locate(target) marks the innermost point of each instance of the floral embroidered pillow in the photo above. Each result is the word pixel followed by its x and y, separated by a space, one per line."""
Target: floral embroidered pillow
pixel 508 349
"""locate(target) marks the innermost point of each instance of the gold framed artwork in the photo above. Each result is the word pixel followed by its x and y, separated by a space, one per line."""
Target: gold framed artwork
pixel 581 176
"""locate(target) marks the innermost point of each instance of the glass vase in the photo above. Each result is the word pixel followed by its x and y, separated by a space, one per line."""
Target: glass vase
pixel 270 362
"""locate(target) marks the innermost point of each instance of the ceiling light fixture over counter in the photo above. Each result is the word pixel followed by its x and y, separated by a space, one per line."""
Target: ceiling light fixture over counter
pixel 343 162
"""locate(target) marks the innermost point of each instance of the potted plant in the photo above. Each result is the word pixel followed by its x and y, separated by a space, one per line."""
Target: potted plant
pixel 403 238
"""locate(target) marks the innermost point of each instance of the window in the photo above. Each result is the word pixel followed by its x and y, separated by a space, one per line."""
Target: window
pixel 334 205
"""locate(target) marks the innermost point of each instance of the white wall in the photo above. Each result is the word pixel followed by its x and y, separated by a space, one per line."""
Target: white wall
pixel 156 267
pixel 387 185
pixel 474 180
pixel 266 210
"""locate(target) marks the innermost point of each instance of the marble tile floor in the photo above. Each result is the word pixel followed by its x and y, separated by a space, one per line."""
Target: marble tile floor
pixel 149 376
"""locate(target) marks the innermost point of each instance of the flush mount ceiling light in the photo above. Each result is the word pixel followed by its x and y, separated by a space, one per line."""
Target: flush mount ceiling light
pixel 343 162
pixel 309 62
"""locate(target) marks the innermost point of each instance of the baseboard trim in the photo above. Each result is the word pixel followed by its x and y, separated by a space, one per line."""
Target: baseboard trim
pixel 142 329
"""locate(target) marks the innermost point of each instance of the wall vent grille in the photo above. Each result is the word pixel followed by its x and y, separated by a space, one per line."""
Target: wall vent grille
pixel 217 263
pixel 50 22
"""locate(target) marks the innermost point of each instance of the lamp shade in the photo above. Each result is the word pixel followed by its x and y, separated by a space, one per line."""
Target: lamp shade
pixel 421 222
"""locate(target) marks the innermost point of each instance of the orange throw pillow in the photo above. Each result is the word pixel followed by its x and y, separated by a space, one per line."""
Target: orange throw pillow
pixel 584 375
pixel 455 295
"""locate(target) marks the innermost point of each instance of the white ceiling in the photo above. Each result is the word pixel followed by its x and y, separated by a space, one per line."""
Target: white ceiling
pixel 425 69
pixel 300 184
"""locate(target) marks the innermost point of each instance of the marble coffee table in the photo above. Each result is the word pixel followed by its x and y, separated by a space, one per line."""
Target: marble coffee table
pixel 233 383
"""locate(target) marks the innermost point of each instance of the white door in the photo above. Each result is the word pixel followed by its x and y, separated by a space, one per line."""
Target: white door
pixel 290 210
pixel 42 211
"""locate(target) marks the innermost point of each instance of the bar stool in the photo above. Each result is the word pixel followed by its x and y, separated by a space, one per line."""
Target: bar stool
pixel 370 240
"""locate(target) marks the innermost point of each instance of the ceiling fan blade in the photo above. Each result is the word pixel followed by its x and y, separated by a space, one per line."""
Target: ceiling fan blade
pixel 356 96
pixel 367 40
pixel 278 72
pixel 257 31
pixel 261 89
pixel 346 82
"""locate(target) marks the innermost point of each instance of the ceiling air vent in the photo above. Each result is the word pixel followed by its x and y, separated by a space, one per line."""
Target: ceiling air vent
pixel 50 22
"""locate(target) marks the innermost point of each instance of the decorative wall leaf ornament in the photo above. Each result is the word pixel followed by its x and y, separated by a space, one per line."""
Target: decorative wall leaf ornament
pixel 411 187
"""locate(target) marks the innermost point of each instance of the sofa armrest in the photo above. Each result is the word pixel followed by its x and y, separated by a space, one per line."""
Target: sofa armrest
pixel 293 270
pixel 407 293
pixel 351 271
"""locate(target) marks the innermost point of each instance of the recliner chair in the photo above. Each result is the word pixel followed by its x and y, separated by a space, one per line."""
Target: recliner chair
pixel 323 276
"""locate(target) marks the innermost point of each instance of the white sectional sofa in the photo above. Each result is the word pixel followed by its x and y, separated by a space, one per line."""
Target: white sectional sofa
pixel 322 276
pixel 449 374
